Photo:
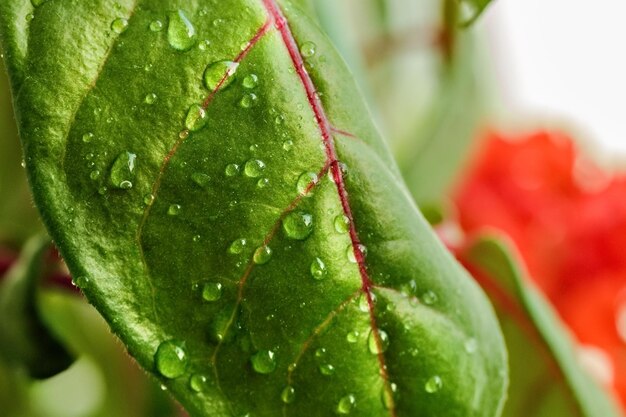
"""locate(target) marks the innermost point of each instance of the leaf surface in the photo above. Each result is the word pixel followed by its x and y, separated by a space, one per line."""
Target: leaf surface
pixel 217 188
pixel 546 376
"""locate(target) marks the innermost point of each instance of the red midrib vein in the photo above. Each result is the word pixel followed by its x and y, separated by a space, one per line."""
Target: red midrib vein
pixel 326 131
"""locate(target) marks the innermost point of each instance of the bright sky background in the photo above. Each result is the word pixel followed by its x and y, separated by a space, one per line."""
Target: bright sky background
pixel 565 61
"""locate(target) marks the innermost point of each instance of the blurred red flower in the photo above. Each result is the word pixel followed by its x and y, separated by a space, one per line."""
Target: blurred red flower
pixel 568 219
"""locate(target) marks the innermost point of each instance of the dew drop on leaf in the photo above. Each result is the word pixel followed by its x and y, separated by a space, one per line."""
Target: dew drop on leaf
pixel 148 199
pixel 342 223
pixel 318 269
pixel 248 100
pixel 254 168
pixel 429 298
pixel 262 255
pixel 94 175
pixel 81 281
pixel 433 385
pixel 305 181
pixel 263 182
pixel 196 118
pixel 351 255
pixel 364 305
pixel 211 291
pixel 320 352
pixel 380 344
pixel 200 179
pixel 263 362
pixel 150 98
pixel 237 246
pixel 199 383
pixel 250 81
pixel 181 34
pixel 288 145
pixel 471 345
pixel 231 170
pixel 288 395
pixel 327 369
pixel 119 25
pixel 174 209
pixel 88 137
pixel 220 74
pixel 308 49
pixel 171 359
pixel 389 395
pixel 352 337
pixel 298 225
pixel 346 404
pixel 123 171
pixel 156 26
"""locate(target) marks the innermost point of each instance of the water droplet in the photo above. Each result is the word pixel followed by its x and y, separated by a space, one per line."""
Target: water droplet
pixel 342 223
pixel 364 304
pixel 352 256
pixel 156 26
pixel 181 34
pixel 250 81
pixel 288 395
pixel 352 337
pixel 174 209
pixel 429 298
pixel 200 179
pixel 327 369
pixel 237 246
pixel 288 145
pixel 254 168
pixel 248 100
pixel 123 171
pixel 308 49
pixel 211 291
pixel 148 199
pixel 389 395
pixel 471 345
pixel 262 255
pixel 231 170
pixel 150 98
pixel 119 25
pixel 280 119
pixel 219 74
pixel 81 281
pixel 380 344
pixel 305 181
pixel 87 137
pixel 94 175
pixel 264 362
pixel 196 118
pixel 320 352
pixel 183 134
pixel 433 385
pixel 298 225
pixel 199 383
pixel 346 404
pixel 318 269
pixel 263 182
pixel 171 359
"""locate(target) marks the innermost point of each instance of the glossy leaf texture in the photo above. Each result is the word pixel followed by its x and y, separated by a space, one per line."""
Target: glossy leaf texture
pixel 218 191
pixel 546 376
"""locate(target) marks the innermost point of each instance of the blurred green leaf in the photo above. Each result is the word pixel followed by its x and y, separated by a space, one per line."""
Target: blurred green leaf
pixel 226 243
pixel 18 217
pixel 24 338
pixel 546 377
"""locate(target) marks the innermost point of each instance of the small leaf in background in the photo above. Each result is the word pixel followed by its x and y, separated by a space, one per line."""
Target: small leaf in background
pixel 546 376
pixel 25 341
pixel 241 289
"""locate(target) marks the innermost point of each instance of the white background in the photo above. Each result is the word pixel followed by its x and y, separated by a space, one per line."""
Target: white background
pixel 563 63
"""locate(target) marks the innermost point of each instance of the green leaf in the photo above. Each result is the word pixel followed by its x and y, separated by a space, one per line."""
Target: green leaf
pixel 222 232
pixel 25 341
pixel 546 378
pixel 471 10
